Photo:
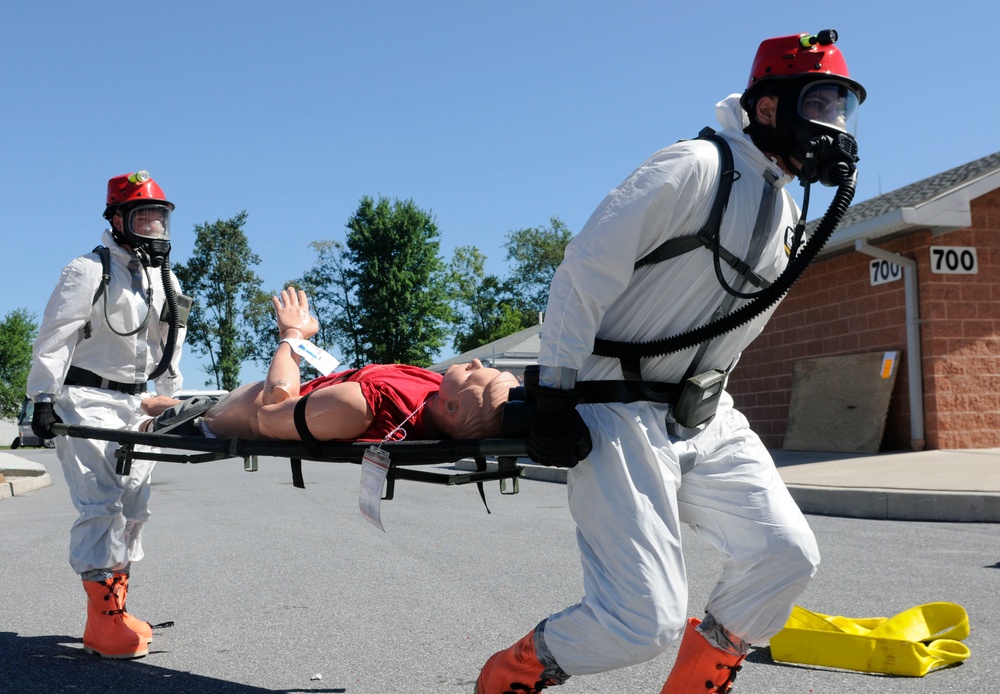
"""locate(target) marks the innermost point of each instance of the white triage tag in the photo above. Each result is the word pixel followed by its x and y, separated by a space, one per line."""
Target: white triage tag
pixel 374 470
pixel 319 358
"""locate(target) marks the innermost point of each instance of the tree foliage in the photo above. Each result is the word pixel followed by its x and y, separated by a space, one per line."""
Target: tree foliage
pixel 226 315
pixel 380 294
pixel 535 254
pixel 17 335
pixel 331 300
pixel 485 307
pixel 482 309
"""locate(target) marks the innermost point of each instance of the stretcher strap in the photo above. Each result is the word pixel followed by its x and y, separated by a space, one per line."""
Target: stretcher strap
pixel 911 644
pixel 302 427
pixel 481 467
pixel 311 442
pixel 298 481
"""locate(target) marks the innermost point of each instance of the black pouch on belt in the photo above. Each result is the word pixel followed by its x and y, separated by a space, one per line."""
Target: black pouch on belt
pixel 699 398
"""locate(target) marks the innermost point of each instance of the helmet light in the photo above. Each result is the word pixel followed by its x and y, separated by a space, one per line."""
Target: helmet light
pixel 826 37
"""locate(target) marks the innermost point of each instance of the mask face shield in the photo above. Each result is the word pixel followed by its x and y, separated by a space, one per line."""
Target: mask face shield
pixel 149 222
pixel 830 103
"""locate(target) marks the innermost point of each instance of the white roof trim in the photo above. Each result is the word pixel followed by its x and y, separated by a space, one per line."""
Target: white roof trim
pixel 950 211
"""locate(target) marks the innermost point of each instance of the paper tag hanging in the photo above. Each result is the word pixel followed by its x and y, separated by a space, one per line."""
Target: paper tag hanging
pixel 374 470
pixel 319 358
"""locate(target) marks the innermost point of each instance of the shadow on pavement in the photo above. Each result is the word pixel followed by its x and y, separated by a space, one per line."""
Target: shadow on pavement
pixel 51 664
pixel 762 655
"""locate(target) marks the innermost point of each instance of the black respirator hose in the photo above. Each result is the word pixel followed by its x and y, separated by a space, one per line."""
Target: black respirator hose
pixel 764 300
pixel 170 297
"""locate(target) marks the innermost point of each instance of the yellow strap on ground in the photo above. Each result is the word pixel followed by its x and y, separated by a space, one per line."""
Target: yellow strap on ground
pixel 912 643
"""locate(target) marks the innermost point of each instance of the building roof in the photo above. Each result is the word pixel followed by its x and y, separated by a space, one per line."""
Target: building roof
pixel 511 353
pixel 940 203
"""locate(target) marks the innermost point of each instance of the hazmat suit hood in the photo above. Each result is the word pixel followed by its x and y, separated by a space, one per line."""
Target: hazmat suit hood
pixel 734 120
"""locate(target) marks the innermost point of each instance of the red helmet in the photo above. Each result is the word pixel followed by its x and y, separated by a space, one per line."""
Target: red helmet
pixel 800 55
pixel 145 213
pixel 134 187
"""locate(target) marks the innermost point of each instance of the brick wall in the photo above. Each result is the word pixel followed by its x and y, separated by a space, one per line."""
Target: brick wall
pixel 961 337
pixel 834 310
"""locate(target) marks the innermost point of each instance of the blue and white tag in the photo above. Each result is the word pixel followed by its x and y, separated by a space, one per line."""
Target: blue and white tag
pixel 318 358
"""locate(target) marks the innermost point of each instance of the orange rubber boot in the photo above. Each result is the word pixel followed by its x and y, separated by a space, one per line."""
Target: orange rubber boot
pixel 700 666
pixel 143 629
pixel 518 670
pixel 106 633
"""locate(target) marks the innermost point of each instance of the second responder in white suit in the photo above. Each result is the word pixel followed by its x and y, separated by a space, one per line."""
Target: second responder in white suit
pixel 92 359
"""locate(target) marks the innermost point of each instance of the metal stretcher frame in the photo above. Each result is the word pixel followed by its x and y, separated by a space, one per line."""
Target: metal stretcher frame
pixel 403 454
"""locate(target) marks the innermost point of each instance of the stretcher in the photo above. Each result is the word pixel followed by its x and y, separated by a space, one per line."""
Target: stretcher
pixel 405 456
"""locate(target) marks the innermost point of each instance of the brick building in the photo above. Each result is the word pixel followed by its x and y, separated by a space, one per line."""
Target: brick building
pixel 941 313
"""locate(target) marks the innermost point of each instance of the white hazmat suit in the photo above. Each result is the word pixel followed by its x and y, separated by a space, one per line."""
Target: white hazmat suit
pixel 646 475
pixel 107 534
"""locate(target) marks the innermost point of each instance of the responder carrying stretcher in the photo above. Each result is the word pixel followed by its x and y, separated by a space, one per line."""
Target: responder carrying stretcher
pixel 108 328
pixel 653 439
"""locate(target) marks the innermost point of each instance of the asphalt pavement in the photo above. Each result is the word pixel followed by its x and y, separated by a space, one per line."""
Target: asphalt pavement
pixel 277 590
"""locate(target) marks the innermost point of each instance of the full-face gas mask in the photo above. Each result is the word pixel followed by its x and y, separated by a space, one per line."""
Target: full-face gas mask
pixel 147 231
pixel 817 106
pixel 817 120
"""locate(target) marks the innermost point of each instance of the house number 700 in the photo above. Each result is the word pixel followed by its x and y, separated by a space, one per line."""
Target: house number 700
pixel 954 260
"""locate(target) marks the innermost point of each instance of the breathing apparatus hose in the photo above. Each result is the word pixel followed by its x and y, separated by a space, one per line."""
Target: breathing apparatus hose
pixel 170 297
pixel 763 300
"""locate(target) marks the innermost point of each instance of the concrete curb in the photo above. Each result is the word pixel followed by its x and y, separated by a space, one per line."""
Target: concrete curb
pixel 19 486
pixel 897 504
pixel 19 476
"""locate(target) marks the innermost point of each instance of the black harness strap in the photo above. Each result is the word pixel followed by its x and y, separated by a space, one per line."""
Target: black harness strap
pixel 75 376
pixel 708 235
pixel 104 253
pixel 671 248
pixel 629 390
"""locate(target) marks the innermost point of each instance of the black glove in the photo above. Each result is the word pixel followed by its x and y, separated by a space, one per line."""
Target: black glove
pixel 42 420
pixel 558 436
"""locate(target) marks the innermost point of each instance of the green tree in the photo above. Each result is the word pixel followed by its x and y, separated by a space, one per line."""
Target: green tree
pixel 482 310
pixel 382 292
pixel 486 308
pixel 226 313
pixel 331 299
pixel 258 314
pixel 329 291
pixel 535 253
pixel 17 335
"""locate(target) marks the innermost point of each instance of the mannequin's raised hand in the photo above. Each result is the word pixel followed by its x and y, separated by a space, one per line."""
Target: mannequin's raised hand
pixel 291 308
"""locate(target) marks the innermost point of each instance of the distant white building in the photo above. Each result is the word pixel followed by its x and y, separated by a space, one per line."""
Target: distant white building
pixel 8 431
pixel 511 353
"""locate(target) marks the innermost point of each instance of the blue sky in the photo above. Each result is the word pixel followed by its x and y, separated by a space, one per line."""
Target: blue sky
pixel 491 116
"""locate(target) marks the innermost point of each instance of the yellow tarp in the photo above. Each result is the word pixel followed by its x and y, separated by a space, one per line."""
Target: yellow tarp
pixel 912 643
